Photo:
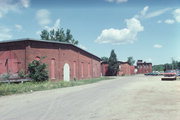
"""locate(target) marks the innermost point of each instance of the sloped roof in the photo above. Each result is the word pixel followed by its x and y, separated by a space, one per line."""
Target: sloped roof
pixel 47 41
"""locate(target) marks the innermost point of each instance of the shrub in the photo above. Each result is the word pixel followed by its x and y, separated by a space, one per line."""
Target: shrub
pixel 37 71
pixel 6 76
pixel 22 74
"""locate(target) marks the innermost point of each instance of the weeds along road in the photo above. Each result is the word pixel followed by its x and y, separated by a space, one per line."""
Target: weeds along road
pixel 124 98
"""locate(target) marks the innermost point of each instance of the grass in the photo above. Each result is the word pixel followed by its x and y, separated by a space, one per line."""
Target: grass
pixel 9 89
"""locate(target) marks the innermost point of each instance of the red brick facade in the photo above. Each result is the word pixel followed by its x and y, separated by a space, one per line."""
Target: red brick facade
pixel 143 67
pixel 125 69
pixel 104 68
pixel 16 55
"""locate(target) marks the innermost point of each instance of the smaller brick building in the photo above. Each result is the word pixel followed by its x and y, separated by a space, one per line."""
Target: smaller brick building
pixel 124 68
pixel 143 67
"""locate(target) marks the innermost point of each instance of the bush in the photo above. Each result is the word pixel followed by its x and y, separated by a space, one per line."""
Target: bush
pixel 6 76
pixel 37 71
pixel 22 74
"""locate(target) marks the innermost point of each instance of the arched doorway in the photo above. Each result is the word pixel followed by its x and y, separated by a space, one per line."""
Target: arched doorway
pixel 66 72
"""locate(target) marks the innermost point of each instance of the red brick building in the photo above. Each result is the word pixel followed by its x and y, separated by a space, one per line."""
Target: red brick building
pixel 124 68
pixel 143 67
pixel 104 68
pixel 65 61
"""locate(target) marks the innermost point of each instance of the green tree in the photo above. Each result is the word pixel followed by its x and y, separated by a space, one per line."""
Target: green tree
pixel 168 66
pixel 58 35
pixel 174 64
pixel 104 59
pixel 178 65
pixel 158 67
pixel 130 60
pixel 69 38
pixel 113 67
pixel 37 71
pixel 44 35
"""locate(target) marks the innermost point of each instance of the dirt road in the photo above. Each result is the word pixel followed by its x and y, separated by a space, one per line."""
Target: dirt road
pixel 125 98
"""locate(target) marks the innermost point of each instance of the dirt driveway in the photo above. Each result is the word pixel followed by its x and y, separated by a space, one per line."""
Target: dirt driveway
pixel 124 98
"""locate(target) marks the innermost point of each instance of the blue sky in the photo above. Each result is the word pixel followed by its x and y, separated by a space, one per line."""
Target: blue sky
pixel 145 29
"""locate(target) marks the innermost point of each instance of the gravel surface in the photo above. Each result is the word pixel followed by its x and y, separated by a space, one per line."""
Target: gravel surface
pixel 123 98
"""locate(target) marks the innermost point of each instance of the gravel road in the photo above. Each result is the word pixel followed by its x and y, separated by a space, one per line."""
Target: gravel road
pixel 123 98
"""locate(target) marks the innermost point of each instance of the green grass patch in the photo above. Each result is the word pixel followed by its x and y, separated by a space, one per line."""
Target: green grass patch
pixel 14 88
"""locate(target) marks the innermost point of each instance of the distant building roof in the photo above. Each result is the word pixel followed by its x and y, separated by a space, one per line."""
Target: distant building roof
pixel 121 62
pixel 140 62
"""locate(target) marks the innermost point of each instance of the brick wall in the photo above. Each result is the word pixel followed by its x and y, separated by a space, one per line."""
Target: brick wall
pixel 12 57
pixel 82 64
pixel 124 69
pixel 104 68
pixel 144 67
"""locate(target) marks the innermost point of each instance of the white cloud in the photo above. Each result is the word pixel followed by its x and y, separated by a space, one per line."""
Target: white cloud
pixel 5 33
pixel 6 6
pixel 25 3
pixel 43 17
pixel 157 13
pixel 169 21
pixel 144 11
pixel 18 27
pixel 145 14
pixel 121 36
pixel 12 6
pixel 117 1
pixel 55 27
pixel 157 46
pixel 82 47
pixel 176 14
pixel 56 24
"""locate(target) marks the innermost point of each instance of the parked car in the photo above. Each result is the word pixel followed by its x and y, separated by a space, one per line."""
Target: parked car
pixel 151 74
pixel 170 75
pixel 178 74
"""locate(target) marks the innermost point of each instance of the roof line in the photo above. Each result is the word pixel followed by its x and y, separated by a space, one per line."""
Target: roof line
pixel 49 41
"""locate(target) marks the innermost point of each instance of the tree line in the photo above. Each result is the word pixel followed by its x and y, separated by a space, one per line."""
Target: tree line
pixel 168 66
pixel 58 35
